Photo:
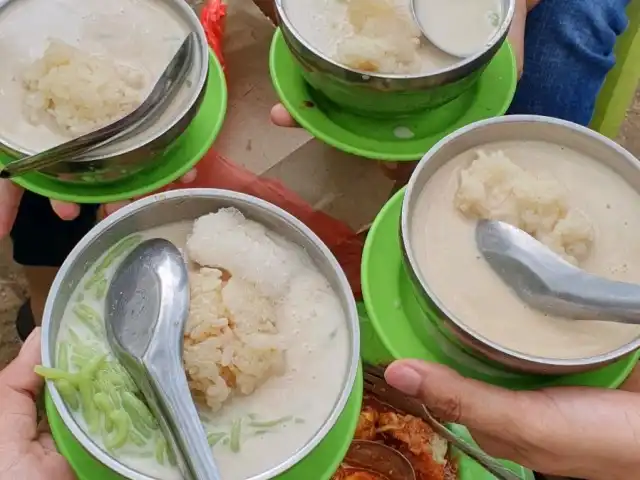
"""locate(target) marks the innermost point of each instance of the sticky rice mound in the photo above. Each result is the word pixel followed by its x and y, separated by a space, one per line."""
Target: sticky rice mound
pixel 383 38
pixel 493 187
pixel 243 275
pixel 78 93
pixel 231 341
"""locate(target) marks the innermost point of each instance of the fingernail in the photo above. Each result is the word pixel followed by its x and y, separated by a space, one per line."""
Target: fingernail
pixel 405 379
pixel 190 177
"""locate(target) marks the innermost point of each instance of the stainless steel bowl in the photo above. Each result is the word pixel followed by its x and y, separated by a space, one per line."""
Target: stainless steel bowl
pixel 113 163
pixel 384 94
pixel 510 128
pixel 175 206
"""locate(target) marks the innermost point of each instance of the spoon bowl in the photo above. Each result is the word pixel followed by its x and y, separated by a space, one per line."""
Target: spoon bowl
pixel 473 14
pixel 378 458
pixel 547 282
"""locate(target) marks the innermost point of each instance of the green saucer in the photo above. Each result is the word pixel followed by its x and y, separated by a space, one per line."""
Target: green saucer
pixel 390 305
pixel 469 469
pixel 179 158
pixel 380 139
pixel 320 464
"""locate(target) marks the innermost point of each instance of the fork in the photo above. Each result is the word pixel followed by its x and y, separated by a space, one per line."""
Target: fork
pixel 375 384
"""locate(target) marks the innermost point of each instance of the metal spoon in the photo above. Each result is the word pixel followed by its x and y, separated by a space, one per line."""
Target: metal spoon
pixel 369 456
pixel 425 31
pixel 548 283
pixel 139 120
pixel 146 310
pixel 433 38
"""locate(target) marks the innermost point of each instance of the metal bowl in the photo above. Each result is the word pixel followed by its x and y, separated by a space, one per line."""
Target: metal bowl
pixel 384 94
pixel 176 206
pixel 511 128
pixel 115 162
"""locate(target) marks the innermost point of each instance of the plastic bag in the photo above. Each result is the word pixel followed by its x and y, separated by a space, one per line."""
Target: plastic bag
pixel 212 17
pixel 214 171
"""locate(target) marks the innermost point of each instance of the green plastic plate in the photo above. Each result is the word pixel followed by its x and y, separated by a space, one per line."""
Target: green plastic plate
pixel 179 158
pixel 390 305
pixel 378 138
pixel 470 470
pixel 320 464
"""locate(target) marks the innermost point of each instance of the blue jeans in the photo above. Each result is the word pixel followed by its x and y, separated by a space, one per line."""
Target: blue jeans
pixel 568 52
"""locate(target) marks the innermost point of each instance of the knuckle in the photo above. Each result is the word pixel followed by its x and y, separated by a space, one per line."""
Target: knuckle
pixel 448 409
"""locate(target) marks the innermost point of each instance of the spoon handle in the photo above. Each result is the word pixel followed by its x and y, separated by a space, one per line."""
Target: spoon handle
pixel 488 463
pixel 600 298
pixel 183 427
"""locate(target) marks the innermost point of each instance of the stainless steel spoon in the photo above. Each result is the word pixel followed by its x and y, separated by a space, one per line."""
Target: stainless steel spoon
pixel 425 31
pixel 139 120
pixel 145 314
pixel 432 38
pixel 377 458
pixel 548 283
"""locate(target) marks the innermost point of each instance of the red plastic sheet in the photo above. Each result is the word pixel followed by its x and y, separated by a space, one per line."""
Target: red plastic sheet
pixel 212 17
pixel 214 171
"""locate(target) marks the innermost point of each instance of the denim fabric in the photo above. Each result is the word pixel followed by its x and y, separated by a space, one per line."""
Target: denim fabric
pixel 568 52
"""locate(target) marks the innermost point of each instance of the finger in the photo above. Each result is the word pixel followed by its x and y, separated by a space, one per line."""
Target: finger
pixel 398 171
pixel 10 196
pixel 516 35
pixel 281 117
pixel 110 208
pixel 66 211
pixel 531 4
pixel 47 442
pixel 632 383
pixel 388 168
pixel 454 398
pixel 19 387
pixel 19 375
pixel 43 425
pixel 189 177
pixel 44 436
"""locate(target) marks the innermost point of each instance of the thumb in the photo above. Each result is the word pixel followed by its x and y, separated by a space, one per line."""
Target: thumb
pixel 453 398
pixel 19 375
pixel 19 387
